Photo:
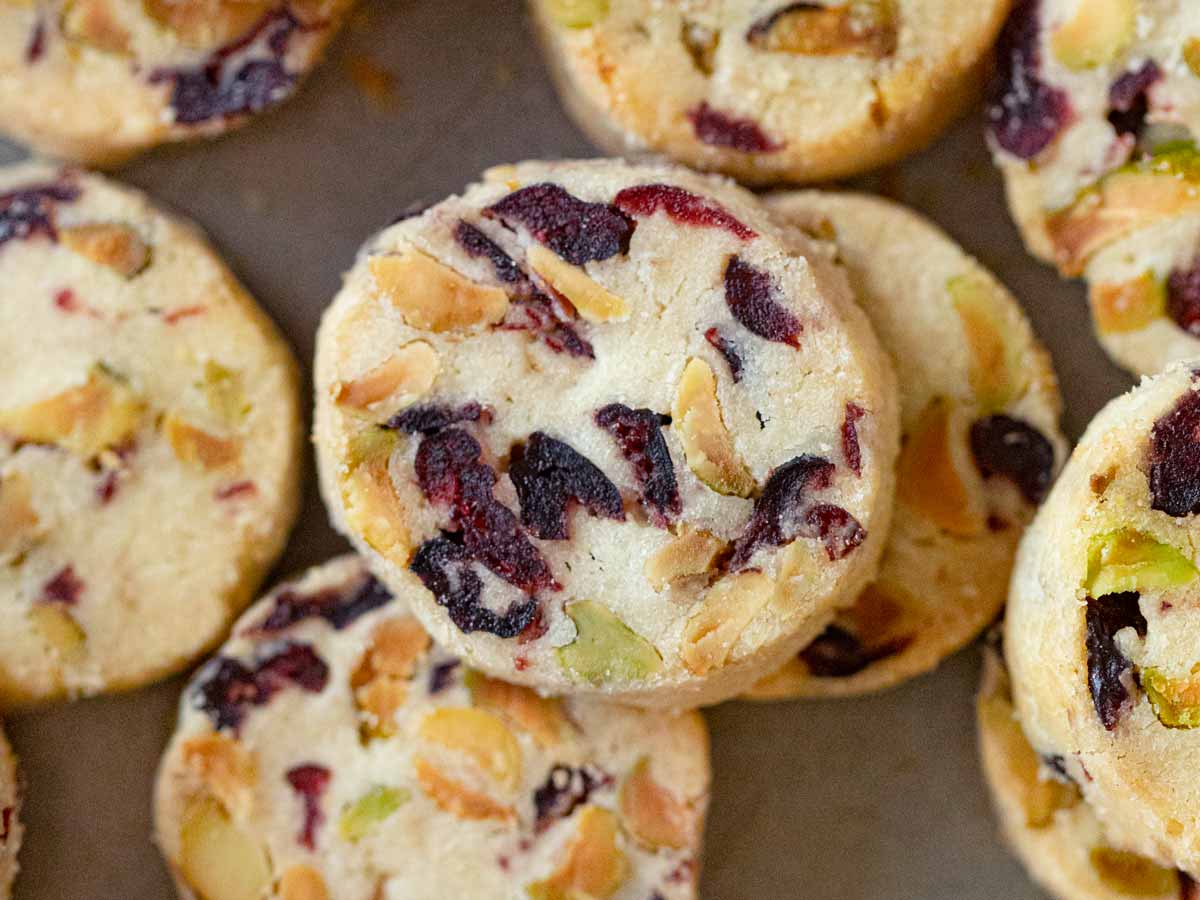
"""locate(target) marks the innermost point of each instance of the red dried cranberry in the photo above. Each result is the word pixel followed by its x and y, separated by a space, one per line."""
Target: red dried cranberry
pixel 728 349
pixel 638 433
pixel 433 417
pixel 1183 297
pixel 310 782
pixel 752 297
pixel 839 531
pixel 1129 99
pixel 565 789
pixel 442 674
pixel 850 447
pixel 225 688
pixel 578 231
pixel 837 653
pixel 762 26
pixel 29 212
pixel 478 245
pixel 338 607
pixel 682 206
pixel 1175 459
pixel 1024 113
pixel 720 129
pixel 1002 445
pixel 444 567
pixel 35 49
pixel 1111 678
pixel 548 475
pixel 65 587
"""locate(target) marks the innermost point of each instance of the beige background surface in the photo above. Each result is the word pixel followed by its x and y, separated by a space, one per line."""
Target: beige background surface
pixel 817 801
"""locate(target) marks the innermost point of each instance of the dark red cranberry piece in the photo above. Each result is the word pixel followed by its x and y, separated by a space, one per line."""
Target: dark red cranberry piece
pixel 564 790
pixel 442 675
pixel 1015 450
pixel 638 433
pixel 6 820
pixel 549 475
pixel 682 206
pixel 225 688
pixel 35 49
pixel 837 653
pixel 728 350
pixel 29 212
pixel 444 567
pixel 310 782
pixel 850 447
pixel 1129 98
pixel 752 297
pixel 839 531
pixel 1175 459
pixel 578 231
pixel 478 245
pixel 451 472
pixel 1024 113
pixel 432 417
pixel 65 587
pixel 720 129
pixel 1111 678
pixel 1183 297
pixel 337 606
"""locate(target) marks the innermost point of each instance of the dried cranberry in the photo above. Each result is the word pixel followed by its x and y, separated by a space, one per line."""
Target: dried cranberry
pixel 6 820
pixel 479 246
pixel 1183 297
pixel 565 789
pixel 1024 113
pixel 29 212
pixel 451 472
pixel 310 782
pixel 35 49
pixel 578 231
pixel 850 447
pixel 225 688
pixel 65 587
pixel 638 433
pixel 719 129
pixel 337 606
pixel 1110 675
pixel 1128 97
pixel 837 653
pixel 682 206
pixel 548 475
pixel 1175 459
pixel 728 349
pixel 839 531
pixel 432 417
pixel 752 297
pixel 442 674
pixel 444 567
pixel 1002 445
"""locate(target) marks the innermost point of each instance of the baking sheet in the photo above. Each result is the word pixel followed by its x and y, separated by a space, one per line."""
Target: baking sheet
pixel 880 797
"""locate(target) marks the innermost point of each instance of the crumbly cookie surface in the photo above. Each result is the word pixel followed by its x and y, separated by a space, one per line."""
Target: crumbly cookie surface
pixel 149 439
pixel 10 822
pixel 631 438
pixel 980 445
pixel 332 750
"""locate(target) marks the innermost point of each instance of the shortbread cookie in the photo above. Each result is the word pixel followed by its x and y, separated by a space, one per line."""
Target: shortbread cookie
pixel 1052 831
pixel 1102 624
pixel 10 822
pixel 767 90
pixel 632 441
pixel 332 751
pixel 150 439
pixel 979 417
pixel 100 80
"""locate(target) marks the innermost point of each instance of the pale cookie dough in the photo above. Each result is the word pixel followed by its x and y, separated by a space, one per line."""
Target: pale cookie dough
pixel 767 90
pixel 1044 819
pixel 150 439
pixel 979 418
pixel 333 752
pixel 10 823
pixel 98 81
pixel 633 439
pixel 1102 620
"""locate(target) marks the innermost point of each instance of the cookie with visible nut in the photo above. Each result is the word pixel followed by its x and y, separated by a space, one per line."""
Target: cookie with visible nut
pixel 150 439
pixel 10 822
pixel 622 469
pixel 332 750
pixel 767 92
pixel 980 445
pixel 98 81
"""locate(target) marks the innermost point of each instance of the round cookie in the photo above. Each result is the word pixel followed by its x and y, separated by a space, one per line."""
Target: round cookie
pixel 980 445
pixel 10 823
pixel 333 751
pixel 98 81
pixel 1056 835
pixel 150 439
pixel 634 440
pixel 1102 620
pixel 767 90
